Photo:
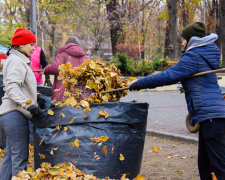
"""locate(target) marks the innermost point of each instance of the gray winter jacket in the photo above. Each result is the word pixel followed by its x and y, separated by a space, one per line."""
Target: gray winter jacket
pixel 20 84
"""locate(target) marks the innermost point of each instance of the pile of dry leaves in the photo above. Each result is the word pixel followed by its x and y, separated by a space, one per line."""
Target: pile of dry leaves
pixel 94 76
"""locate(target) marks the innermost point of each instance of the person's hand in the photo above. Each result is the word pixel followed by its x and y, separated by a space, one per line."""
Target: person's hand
pixel 134 87
pixel 48 81
pixel 35 110
pixel 41 101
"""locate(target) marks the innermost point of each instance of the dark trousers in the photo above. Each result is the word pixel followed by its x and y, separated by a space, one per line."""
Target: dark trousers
pixel 16 128
pixel 211 150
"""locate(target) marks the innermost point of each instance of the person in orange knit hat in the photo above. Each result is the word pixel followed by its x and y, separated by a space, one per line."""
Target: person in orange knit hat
pixel 18 103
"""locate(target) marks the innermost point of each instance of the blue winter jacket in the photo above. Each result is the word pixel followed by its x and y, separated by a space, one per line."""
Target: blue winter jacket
pixel 202 93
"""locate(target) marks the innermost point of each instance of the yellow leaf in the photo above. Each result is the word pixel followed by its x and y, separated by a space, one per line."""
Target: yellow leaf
pixel 50 112
pixel 70 172
pixel 72 120
pixel 72 144
pixel 124 177
pixel 29 170
pixel 131 79
pixel 86 110
pixel 105 149
pixel 104 98
pixel 42 140
pixel 122 157
pixel 63 115
pixel 76 142
pixel 100 139
pixel 65 128
pixel 28 102
pixel 56 90
pixel 140 177
pixel 73 102
pixel 55 148
pixel 213 176
pixel 57 127
pixel 61 172
pixel 51 152
pixel 42 156
pixel 103 113
pixel 155 149
pixel 84 104
pixel 78 107
pixel 92 65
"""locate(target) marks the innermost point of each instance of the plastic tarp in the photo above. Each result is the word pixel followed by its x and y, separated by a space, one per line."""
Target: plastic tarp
pixel 125 127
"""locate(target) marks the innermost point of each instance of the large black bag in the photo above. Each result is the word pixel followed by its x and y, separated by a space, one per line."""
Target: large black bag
pixel 125 127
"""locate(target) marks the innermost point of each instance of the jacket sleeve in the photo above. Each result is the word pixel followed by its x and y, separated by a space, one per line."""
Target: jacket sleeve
pixel 44 62
pixel 186 67
pixel 53 68
pixel 14 79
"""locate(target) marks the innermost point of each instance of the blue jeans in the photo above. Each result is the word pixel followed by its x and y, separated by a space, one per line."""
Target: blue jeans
pixel 211 152
pixel 16 128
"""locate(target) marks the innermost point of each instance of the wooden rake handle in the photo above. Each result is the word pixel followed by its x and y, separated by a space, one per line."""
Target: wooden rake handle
pixel 195 75
pixel 208 72
pixel 37 70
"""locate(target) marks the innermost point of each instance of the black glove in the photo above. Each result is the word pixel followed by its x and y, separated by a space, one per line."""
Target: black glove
pixel 35 110
pixel 41 101
pixel 134 87
pixel 48 81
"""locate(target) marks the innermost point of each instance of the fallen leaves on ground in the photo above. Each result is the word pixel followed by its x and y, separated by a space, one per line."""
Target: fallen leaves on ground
pixel 65 171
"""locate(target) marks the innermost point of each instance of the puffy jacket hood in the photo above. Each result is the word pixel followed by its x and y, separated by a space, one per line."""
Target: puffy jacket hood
pixel 72 49
pixel 197 41
pixel 197 45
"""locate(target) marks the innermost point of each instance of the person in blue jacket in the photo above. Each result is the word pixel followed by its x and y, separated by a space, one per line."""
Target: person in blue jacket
pixel 203 95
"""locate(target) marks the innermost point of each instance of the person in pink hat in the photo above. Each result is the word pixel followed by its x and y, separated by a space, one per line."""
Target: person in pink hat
pixel 18 103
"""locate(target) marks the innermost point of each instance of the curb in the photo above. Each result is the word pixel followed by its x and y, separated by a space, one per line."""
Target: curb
pixel 172 136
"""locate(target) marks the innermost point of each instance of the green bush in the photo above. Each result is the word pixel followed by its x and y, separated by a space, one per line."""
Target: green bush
pixel 158 64
pixel 132 68
pixel 145 68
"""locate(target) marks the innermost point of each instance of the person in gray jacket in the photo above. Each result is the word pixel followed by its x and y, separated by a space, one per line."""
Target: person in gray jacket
pixel 203 96
pixel 18 103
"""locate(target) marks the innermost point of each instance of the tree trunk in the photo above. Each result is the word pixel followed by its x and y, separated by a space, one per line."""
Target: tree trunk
pixel 171 31
pixel 52 37
pixel 28 15
pixel 222 30
pixel 115 24
pixel 184 14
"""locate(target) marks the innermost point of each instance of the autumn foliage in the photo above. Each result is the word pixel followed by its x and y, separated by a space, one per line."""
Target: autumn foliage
pixel 131 50
pixel 94 76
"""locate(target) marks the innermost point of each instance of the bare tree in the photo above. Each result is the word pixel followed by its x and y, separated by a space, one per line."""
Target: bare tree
pixel 171 31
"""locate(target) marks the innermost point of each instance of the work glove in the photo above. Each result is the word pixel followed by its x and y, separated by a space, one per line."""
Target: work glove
pixel 35 110
pixel 134 87
pixel 48 81
pixel 41 101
